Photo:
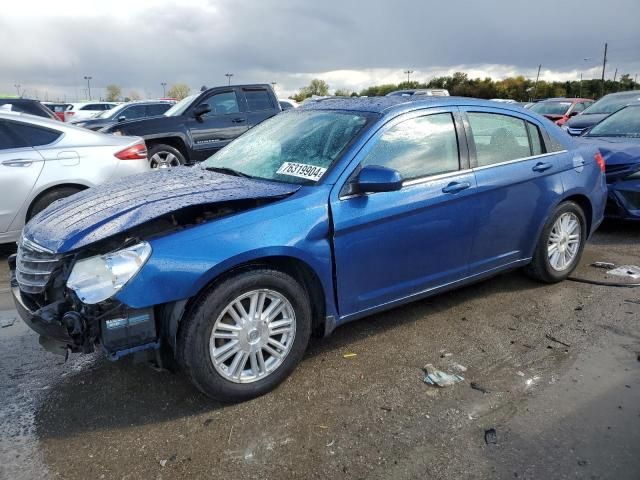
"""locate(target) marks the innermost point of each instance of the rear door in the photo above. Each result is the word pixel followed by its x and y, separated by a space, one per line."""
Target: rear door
pixel 393 245
pixel 212 131
pixel 518 182
pixel 260 105
pixel 20 167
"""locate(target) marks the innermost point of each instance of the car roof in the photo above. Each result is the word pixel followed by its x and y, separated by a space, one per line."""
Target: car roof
pixel 630 93
pixel 384 105
pixel 35 119
pixel 18 100
pixel 565 99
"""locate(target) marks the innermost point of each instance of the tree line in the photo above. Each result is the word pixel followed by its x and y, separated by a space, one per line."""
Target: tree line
pixel 516 88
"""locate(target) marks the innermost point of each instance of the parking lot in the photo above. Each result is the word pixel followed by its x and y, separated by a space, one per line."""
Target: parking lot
pixel 560 365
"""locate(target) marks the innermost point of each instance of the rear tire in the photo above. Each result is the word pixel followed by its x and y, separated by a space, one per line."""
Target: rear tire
pixel 232 354
pixel 48 198
pixel 165 156
pixel 560 246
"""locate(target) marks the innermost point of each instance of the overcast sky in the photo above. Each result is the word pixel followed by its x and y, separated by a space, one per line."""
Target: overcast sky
pixel 49 46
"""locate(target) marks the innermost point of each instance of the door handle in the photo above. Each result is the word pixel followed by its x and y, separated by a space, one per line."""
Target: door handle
pixel 18 162
pixel 238 120
pixel 455 187
pixel 542 166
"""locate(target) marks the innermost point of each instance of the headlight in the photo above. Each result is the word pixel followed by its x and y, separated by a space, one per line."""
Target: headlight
pixel 95 279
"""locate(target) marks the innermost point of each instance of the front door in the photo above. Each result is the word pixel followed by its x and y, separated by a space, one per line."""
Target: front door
pixel 394 245
pixel 212 131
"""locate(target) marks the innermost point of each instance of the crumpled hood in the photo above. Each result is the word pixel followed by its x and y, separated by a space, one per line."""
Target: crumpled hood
pixel 113 208
pixel 621 155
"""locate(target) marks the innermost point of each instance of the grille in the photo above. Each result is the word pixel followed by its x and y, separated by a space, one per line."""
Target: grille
pixel 34 266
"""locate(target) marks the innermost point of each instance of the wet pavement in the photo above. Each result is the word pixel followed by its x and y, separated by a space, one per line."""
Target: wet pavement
pixel 558 411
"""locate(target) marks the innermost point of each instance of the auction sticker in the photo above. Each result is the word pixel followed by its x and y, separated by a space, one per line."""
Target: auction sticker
pixel 302 170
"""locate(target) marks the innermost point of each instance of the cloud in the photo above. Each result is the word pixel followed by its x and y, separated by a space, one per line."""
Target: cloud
pixel 350 44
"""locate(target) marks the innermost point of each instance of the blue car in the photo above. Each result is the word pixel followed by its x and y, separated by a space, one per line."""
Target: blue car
pixel 314 218
pixel 617 137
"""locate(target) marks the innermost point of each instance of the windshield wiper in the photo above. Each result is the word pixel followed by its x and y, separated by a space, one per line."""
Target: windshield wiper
pixel 228 171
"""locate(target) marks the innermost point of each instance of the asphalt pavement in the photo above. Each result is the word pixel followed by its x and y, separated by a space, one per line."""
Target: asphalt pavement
pixel 555 371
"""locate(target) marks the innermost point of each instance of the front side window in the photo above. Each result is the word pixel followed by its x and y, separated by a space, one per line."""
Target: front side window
pixel 418 147
pixel 499 138
pixel 32 135
pixel 294 147
pixel 135 111
pixel 223 103
pixel 623 123
pixel 258 100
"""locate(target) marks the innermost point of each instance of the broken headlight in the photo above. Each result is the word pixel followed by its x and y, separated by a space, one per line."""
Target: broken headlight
pixel 95 279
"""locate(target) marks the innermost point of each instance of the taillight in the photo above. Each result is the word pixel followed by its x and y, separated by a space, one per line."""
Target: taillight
pixel 134 152
pixel 67 115
pixel 600 161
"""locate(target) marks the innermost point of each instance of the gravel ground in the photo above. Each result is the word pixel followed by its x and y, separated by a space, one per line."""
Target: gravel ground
pixel 556 411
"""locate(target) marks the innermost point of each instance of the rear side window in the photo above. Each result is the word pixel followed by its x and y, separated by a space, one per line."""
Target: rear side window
pixel 8 139
pixel 501 138
pixel 258 100
pixel 418 147
pixel 157 109
pixel 32 135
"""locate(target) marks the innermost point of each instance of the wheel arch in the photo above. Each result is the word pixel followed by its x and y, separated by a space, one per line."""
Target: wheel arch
pixel 172 314
pixel 77 186
pixel 176 142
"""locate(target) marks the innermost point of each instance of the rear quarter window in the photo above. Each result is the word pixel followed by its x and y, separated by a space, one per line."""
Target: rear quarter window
pixel 258 100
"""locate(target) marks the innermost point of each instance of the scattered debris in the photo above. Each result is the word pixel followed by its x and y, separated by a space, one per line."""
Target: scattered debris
pixel 490 437
pixel 554 339
pixel 519 373
pixel 480 388
pixel 349 355
pixel 631 271
pixel 440 378
pixel 512 328
pixel 7 322
pixel 207 422
pixel 628 300
pixel 578 308
pixel 582 463
pixel 163 463
pixel 331 443
pixel 458 367
pixel 605 265
pixel 229 437
pixel 532 381
pixel 386 409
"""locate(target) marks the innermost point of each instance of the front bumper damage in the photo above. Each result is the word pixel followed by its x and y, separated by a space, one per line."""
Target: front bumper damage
pixel 67 324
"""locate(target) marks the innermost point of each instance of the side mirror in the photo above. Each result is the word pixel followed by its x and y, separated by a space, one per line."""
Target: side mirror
pixel 201 109
pixel 374 178
pixel 122 118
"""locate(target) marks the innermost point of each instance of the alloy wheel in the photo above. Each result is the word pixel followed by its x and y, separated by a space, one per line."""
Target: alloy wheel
pixel 564 241
pixel 252 336
pixel 164 160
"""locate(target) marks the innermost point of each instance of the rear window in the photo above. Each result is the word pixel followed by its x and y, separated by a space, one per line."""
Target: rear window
pixel 610 103
pixel 32 135
pixel 258 100
pixel 31 108
pixel 551 108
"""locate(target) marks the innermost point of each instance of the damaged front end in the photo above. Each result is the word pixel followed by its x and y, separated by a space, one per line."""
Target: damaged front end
pixel 39 284
pixel 623 180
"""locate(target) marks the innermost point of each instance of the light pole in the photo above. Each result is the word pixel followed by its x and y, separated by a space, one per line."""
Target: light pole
pixel 229 75
pixel 17 85
pixel 408 72
pixel 586 59
pixel 535 86
pixel 88 79
pixel 164 84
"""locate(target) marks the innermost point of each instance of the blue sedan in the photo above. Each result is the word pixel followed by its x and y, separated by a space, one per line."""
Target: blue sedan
pixel 617 137
pixel 316 217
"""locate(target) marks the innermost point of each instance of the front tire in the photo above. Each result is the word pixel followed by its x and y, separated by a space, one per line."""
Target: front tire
pixel 48 198
pixel 560 246
pixel 245 335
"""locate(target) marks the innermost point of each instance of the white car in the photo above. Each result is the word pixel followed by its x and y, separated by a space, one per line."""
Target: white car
pixel 287 104
pixel 43 160
pixel 86 110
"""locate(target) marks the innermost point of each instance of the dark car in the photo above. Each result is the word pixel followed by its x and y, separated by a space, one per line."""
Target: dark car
pixel 618 139
pixel 600 110
pixel 316 217
pixel 560 110
pixel 201 124
pixel 25 105
pixel 126 111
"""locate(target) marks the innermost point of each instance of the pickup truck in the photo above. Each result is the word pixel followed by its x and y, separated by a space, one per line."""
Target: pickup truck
pixel 201 124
